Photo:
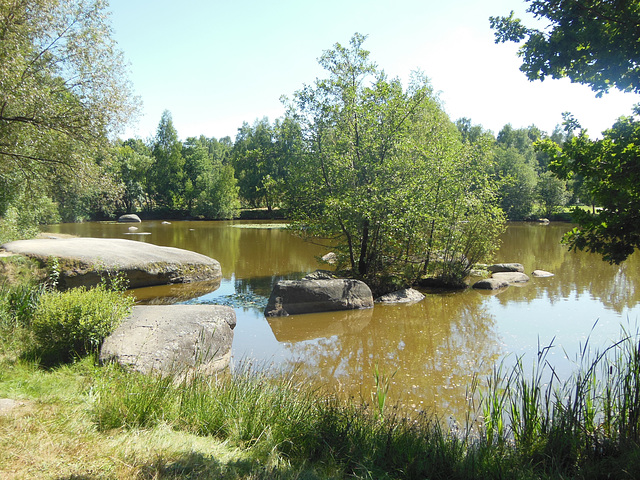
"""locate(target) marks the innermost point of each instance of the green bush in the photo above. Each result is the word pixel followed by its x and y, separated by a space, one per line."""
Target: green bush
pixel 74 323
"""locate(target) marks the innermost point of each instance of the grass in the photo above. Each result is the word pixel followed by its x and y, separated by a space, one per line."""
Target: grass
pixel 103 422
pixel 81 420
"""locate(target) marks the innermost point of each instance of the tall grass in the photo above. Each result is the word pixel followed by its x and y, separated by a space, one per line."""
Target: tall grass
pixel 565 427
pixel 533 424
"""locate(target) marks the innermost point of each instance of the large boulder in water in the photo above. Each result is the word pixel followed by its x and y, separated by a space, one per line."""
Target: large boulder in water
pixel 506 267
pixel 173 339
pixel 491 284
pixel 85 261
pixel 292 297
pixel 511 277
pixel 129 218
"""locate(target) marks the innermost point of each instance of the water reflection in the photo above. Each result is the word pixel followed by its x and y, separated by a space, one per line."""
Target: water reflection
pixel 433 347
pixel 576 273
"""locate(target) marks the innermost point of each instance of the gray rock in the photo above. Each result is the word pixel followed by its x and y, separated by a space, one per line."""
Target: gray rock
pixel 173 339
pixel 83 261
pixel 407 295
pixel 491 284
pixel 511 277
pixel 292 297
pixel 331 258
pixel 506 267
pixel 541 273
pixel 129 218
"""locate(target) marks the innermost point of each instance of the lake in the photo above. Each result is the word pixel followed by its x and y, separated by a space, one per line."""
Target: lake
pixel 433 348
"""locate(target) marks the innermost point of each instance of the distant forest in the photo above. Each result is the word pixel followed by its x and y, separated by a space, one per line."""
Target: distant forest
pixel 213 178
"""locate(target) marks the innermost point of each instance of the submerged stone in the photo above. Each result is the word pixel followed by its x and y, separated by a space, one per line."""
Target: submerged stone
pixel 511 277
pixel 506 267
pixel 541 273
pixel 491 284
pixel 406 295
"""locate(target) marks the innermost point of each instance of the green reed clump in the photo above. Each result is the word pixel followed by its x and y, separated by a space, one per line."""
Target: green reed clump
pixel 563 427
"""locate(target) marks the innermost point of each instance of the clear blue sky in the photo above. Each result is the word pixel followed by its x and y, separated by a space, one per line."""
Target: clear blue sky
pixel 214 64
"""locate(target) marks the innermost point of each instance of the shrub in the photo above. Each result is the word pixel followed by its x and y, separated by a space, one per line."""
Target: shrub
pixel 73 323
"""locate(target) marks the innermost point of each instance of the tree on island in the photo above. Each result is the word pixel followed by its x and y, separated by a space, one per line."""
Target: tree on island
pixel 594 43
pixel 384 175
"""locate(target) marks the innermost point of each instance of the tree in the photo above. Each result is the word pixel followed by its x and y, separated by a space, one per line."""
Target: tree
pixel 168 169
pixel 610 168
pixel 384 173
pixel 594 42
pixel 518 182
pixel 211 188
pixel 63 91
pixel 253 159
pixel 133 161
pixel 552 193
pixel 261 156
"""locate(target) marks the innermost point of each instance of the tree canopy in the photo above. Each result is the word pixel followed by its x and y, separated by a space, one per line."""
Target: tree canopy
pixel 611 171
pixel 63 92
pixel 594 42
pixel 384 173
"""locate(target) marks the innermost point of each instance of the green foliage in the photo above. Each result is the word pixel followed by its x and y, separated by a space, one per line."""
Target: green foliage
pixel 69 324
pixel 610 173
pixel 131 168
pixel 211 189
pixel 593 42
pixel 168 169
pixel 218 198
pixel 261 156
pixel 384 174
pixel 552 193
pixel 519 181
pixel 63 90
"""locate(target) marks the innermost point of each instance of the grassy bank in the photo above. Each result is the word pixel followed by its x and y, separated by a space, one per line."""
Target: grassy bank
pixel 75 419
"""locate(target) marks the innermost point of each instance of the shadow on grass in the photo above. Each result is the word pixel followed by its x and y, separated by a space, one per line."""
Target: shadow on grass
pixel 196 465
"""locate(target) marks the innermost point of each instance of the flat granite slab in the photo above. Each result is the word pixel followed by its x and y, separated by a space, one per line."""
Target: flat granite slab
pixel 84 261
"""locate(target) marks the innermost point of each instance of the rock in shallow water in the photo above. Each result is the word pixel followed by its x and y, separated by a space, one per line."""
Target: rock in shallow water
pixel 491 284
pixel 511 277
pixel 541 274
pixel 406 295
pixel 292 297
pixel 506 267
pixel 84 261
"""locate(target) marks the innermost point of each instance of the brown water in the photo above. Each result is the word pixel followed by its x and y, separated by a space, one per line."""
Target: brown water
pixel 433 348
